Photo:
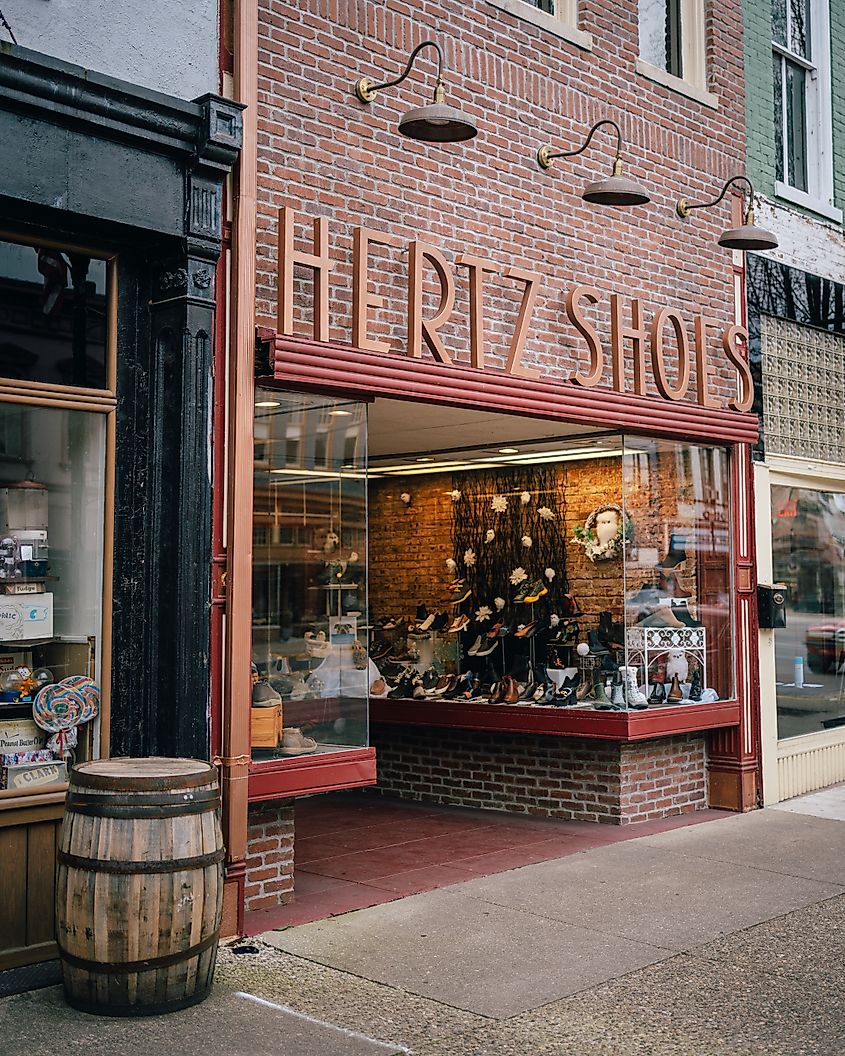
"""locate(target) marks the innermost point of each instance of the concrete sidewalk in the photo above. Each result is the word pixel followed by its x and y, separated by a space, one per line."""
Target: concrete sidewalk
pixel 711 940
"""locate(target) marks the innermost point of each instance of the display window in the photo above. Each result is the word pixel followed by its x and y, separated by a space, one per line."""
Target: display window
pixel 56 448
pixel 405 552
pixel 808 543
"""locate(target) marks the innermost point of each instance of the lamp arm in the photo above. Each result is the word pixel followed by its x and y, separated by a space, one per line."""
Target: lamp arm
pixel 407 70
pixel 590 134
pixel 689 206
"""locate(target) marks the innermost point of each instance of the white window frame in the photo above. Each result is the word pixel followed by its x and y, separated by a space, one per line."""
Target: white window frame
pixel 818 118
pixel 563 23
pixel 693 82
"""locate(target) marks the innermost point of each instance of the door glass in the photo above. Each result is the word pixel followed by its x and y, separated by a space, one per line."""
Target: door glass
pixel 311 670
pixel 808 555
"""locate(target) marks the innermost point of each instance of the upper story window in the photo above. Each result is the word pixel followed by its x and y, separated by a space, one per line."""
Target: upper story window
pixel 802 115
pixel 555 16
pixel 672 38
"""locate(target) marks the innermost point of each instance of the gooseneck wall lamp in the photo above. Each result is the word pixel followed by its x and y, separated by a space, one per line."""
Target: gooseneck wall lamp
pixel 615 189
pixel 436 123
pixel 748 236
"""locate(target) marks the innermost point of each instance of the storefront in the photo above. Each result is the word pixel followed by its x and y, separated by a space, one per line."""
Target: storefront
pixel 111 228
pixel 797 329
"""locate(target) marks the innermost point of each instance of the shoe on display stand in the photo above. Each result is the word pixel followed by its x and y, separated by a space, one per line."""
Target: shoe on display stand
pixel 570 606
pixel 662 617
pixel 675 693
pixel 294 743
pixel 695 688
pixel 488 648
pixel 617 697
pixel 459 594
pixel 537 590
pixel 658 693
pixel 680 610
pixel 676 553
pixel 597 646
pixel 633 697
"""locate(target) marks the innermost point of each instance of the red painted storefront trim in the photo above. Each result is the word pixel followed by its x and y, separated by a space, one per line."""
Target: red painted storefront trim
pixel 560 722
pixel 303 776
pixel 346 370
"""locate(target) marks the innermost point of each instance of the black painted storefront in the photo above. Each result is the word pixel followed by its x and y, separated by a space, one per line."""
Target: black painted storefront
pixel 94 161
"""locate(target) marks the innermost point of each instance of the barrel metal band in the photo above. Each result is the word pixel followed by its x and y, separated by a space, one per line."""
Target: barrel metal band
pixel 209 795
pixel 171 807
pixel 138 966
pixel 175 865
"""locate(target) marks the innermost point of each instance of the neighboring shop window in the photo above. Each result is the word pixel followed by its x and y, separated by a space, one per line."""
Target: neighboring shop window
pixel 51 589
pixel 802 105
pixel 53 319
pixel 310 665
pixel 808 555
pixel 672 38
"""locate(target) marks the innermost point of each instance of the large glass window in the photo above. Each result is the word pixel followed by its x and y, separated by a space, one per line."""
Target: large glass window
pixel 311 671
pixel 671 34
pixel 53 319
pixel 808 556
pixel 52 475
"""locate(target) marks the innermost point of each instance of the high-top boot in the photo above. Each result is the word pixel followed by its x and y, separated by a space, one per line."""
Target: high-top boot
pixel 617 696
pixel 605 631
pixel 599 694
pixel 633 696
pixel 675 692
pixel 695 688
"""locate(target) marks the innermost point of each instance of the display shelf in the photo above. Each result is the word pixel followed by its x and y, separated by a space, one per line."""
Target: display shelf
pixel 328 769
pixel 647 645
pixel 557 722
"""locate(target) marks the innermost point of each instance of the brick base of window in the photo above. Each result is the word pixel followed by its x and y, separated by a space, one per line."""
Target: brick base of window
pixel 550 777
pixel 269 857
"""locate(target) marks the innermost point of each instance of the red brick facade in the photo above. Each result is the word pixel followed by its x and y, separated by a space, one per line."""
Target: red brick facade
pixel 551 777
pixel 269 857
pixel 322 151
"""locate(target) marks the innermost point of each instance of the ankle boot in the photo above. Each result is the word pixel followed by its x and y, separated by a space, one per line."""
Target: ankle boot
pixel 597 646
pixel 675 692
pixel 617 697
pixel 695 688
pixel 658 693
pixel 633 696
pixel 599 693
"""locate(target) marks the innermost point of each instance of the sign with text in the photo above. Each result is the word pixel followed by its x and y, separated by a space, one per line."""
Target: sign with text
pixel 631 335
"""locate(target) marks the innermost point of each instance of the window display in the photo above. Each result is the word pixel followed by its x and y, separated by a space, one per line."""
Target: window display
pixel 590 572
pixel 51 582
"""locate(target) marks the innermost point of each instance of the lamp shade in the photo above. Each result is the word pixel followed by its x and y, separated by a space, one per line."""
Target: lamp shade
pixel 748 237
pixel 437 123
pixel 616 190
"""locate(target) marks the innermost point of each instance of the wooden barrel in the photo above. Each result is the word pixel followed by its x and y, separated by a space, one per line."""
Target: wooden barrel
pixel 139 891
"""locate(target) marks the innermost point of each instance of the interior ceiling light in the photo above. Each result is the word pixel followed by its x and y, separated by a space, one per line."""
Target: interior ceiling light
pixel 340 414
pixel 748 236
pixel 508 450
pixel 615 189
pixel 436 123
pixel 424 458
pixel 267 403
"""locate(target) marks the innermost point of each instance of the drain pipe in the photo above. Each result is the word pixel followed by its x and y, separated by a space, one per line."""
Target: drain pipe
pixel 235 756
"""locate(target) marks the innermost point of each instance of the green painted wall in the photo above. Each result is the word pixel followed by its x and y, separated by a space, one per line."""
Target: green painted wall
pixel 759 97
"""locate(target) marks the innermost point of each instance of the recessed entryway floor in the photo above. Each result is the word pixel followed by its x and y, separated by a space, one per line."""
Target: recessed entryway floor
pixel 355 849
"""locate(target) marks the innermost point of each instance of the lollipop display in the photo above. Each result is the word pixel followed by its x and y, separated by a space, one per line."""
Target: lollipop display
pixel 61 707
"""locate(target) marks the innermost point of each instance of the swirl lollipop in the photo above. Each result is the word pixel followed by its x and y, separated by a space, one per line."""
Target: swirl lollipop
pixel 59 709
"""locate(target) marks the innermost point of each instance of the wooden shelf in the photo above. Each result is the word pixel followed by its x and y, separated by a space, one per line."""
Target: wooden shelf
pixel 557 722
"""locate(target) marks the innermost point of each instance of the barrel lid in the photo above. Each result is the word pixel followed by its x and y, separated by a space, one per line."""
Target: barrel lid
pixel 155 772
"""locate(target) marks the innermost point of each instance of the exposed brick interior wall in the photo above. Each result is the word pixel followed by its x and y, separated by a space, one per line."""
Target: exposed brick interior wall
pixel 269 857
pixel 547 776
pixel 323 152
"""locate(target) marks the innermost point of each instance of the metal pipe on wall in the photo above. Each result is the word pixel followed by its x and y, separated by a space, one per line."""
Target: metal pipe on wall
pixel 238 642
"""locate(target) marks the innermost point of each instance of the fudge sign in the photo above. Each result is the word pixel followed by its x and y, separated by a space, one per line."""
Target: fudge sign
pixel 631 332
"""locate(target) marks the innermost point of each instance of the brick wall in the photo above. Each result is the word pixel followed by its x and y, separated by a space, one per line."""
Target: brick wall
pixel 322 151
pixel 546 776
pixel 269 857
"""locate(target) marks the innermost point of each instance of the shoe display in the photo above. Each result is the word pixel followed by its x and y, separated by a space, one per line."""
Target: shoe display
pixel 633 697
pixel 476 645
pixel 544 694
pixel 616 695
pixel 675 692
pixel 458 624
pixel 422 613
pixel 570 606
pixel 440 622
pixel 680 610
pixel 676 553
pixel 294 743
pixel 537 590
pixel 597 646
pixel 488 648
pixel 695 687
pixel 524 630
pixel 569 634
pixel 264 696
pixel 459 594
pixel 663 617
pixel 599 693
pixel 418 634
pixel 428 621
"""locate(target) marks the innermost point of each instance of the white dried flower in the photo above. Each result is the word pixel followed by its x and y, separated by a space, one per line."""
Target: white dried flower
pixel 454 495
pixel 519 575
pixel 546 514
pixel 525 498
pixel 499 603
pixel 353 557
pixel 554 620
pixel 527 541
pixel 484 613
pixel 490 536
pixel 499 503
pixel 469 558
pixel 550 574
pixel 451 564
pixel 405 497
